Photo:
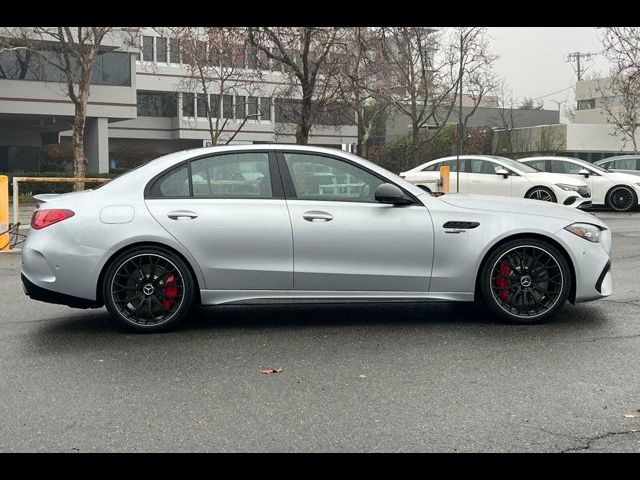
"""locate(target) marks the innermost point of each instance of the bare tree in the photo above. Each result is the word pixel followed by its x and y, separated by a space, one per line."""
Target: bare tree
pixel 219 63
pixel 530 104
pixel 72 51
pixel 505 103
pixel 476 77
pixel 362 76
pixel 621 98
pixel 305 54
pixel 423 79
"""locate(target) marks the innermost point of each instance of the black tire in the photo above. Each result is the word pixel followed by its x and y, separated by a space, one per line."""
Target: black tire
pixel 621 198
pixel 541 193
pixel 148 289
pixel 518 288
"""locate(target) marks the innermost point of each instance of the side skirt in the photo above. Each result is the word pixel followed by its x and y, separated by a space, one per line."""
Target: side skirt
pixel 217 297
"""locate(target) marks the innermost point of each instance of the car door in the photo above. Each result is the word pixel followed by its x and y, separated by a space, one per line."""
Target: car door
pixel 482 178
pixel 229 211
pixel 344 240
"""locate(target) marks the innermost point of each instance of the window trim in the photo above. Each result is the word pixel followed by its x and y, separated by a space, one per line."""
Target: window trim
pixel 277 188
pixel 290 191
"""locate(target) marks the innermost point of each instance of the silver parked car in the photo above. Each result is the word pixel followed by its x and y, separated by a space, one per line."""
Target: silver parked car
pixel 285 223
pixel 622 163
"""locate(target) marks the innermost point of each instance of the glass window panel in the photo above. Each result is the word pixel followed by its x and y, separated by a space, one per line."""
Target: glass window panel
pixel 233 175
pixel 188 105
pixel 203 105
pixel 252 107
pixel 161 49
pixel 265 108
pixel 147 48
pixel 227 106
pixel 174 50
pixel 214 98
pixel 156 104
pixel 173 184
pixel 317 177
pixel 241 106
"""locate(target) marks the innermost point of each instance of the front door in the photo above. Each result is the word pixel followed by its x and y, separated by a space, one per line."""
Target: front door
pixel 228 210
pixel 346 241
pixel 482 178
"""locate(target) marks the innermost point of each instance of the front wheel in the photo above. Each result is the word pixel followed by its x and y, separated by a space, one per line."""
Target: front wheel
pixel 525 281
pixel 148 289
pixel 621 199
pixel 541 193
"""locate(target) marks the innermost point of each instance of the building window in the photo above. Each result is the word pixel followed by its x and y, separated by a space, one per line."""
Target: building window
pixel 202 105
pixel 265 108
pixel 214 99
pixel 188 105
pixel 227 106
pixel 252 107
pixel 174 50
pixel 156 104
pixel 147 48
pixel 587 104
pixel 241 107
pixel 161 49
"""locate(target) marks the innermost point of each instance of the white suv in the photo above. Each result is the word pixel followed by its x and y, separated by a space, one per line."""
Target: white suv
pixel 491 175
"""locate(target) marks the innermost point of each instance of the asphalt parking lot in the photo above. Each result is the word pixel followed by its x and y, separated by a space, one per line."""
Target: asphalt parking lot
pixel 398 377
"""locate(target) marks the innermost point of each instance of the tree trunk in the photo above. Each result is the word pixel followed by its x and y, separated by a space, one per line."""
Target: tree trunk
pixel 79 156
pixel 415 145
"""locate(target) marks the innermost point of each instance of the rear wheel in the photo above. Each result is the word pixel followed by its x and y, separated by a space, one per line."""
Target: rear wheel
pixel 525 281
pixel 541 193
pixel 148 289
pixel 621 199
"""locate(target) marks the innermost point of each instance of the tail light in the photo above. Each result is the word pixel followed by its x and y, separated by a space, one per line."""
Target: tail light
pixel 44 218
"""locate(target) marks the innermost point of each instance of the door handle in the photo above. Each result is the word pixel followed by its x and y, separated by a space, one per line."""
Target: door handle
pixel 182 215
pixel 314 216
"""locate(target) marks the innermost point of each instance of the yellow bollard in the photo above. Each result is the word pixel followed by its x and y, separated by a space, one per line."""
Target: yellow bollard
pixel 444 179
pixel 4 213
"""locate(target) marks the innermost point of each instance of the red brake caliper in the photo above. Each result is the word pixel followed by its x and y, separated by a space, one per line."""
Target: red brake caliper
pixel 501 282
pixel 169 292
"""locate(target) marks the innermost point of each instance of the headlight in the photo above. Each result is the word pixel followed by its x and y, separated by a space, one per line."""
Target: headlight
pixel 586 231
pixel 565 186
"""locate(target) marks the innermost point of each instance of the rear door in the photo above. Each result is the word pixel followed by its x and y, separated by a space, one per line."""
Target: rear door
pixel 229 211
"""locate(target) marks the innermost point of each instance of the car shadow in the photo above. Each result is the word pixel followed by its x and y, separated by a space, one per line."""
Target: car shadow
pixel 94 329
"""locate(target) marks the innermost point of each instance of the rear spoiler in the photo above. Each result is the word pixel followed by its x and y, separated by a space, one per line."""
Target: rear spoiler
pixel 44 197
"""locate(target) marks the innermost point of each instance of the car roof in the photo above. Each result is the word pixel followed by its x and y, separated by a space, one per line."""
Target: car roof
pixel 552 157
pixel 618 157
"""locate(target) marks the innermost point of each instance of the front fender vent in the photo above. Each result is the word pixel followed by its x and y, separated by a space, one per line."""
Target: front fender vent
pixel 461 225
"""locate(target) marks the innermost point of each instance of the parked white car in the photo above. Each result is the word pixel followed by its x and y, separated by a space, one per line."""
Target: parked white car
pixel 492 175
pixel 618 191
pixel 623 163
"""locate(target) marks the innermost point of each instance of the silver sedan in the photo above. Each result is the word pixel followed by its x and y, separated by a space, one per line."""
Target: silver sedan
pixel 285 223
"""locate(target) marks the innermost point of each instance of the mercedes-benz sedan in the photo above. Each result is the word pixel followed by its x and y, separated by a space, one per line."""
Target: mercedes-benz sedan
pixel 285 223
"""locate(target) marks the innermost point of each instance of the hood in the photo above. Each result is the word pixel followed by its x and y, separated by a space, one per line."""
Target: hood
pixel 556 178
pixel 621 177
pixel 520 206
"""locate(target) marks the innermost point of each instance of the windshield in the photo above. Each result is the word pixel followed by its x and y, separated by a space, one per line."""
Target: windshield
pixel 593 166
pixel 523 167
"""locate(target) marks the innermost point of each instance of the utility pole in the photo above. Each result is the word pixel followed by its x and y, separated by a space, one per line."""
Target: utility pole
pixel 575 57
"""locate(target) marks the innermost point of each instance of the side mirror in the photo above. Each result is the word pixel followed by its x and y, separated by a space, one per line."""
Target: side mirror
pixel 389 193
pixel 585 172
pixel 503 171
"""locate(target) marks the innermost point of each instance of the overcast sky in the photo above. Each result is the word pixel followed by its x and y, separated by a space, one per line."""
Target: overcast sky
pixel 533 60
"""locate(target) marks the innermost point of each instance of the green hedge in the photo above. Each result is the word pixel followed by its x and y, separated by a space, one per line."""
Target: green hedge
pixel 51 187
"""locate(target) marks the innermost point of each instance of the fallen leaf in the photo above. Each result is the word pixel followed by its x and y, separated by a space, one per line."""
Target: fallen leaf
pixel 300 380
pixel 363 376
pixel 266 371
pixel 629 415
pixel 525 420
